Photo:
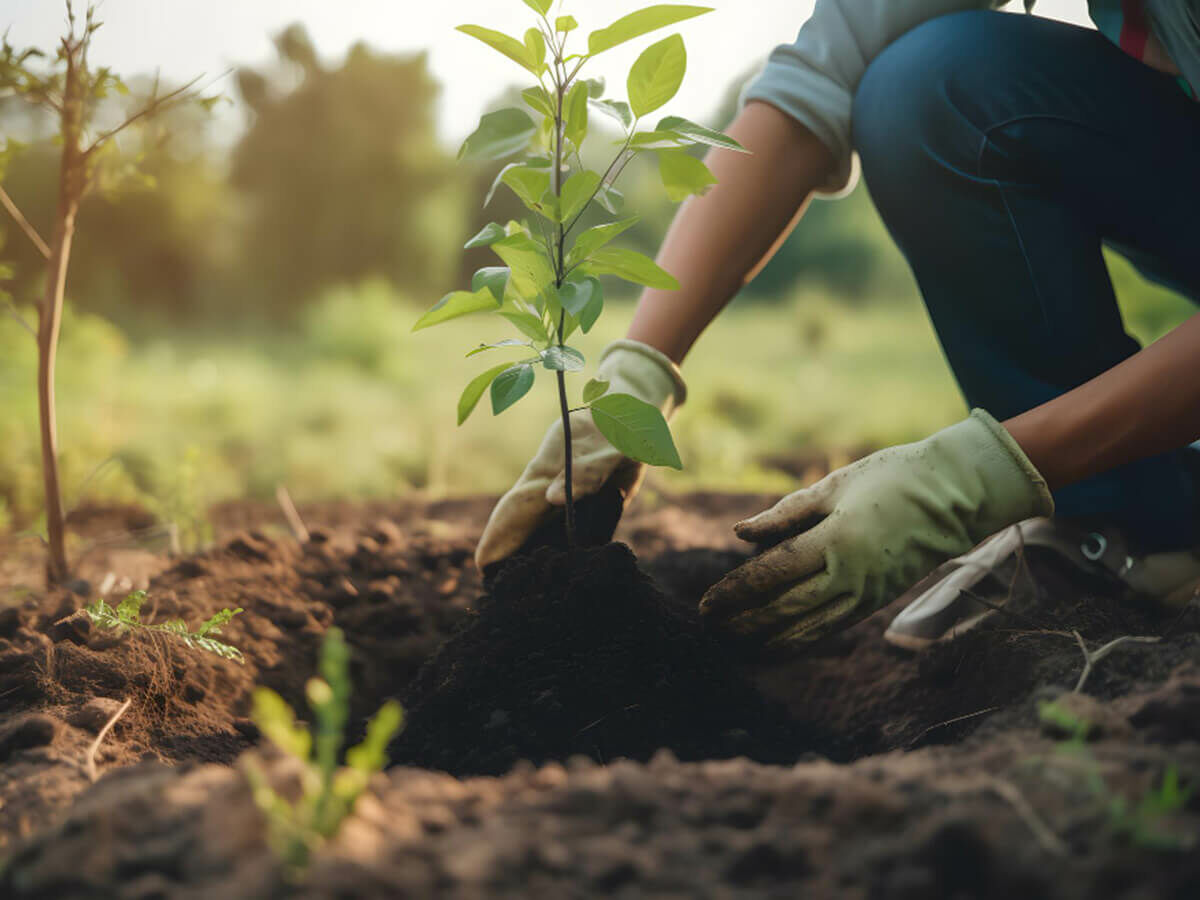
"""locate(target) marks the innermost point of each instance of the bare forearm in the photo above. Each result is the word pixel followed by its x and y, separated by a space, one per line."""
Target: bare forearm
pixel 1147 405
pixel 718 241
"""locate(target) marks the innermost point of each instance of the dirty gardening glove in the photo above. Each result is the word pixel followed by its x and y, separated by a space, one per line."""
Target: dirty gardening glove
pixel 630 367
pixel 858 538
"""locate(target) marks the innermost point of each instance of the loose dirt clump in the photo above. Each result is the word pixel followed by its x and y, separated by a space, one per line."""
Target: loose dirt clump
pixel 582 654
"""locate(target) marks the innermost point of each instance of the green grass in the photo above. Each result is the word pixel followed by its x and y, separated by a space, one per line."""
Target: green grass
pixel 357 406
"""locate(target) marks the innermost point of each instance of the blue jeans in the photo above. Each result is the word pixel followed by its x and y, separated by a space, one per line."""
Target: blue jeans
pixel 1002 152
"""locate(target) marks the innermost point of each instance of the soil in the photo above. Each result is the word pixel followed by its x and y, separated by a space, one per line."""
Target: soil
pixel 855 770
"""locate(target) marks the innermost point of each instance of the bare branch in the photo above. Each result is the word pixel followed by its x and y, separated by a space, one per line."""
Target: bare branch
pixel 156 105
pixel 24 224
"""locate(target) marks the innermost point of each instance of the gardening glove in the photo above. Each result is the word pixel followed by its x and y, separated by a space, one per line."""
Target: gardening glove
pixel 859 537
pixel 630 367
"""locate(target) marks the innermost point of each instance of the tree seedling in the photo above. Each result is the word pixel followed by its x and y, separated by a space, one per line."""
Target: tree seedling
pixel 328 791
pixel 126 616
pixel 70 89
pixel 548 286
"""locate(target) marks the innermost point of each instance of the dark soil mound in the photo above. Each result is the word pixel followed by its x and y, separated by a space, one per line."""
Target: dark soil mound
pixel 582 655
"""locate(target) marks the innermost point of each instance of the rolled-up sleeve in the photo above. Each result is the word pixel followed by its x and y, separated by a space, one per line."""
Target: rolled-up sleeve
pixel 813 79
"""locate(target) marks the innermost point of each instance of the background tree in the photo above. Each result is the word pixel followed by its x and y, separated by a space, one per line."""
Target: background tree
pixel 343 175
pixel 72 91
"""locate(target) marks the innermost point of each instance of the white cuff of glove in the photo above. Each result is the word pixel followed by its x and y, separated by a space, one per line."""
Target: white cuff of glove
pixel 631 367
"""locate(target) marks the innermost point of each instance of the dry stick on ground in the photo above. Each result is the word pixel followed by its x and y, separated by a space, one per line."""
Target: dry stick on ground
pixel 936 725
pixel 1045 835
pixel 299 531
pixel 1091 657
pixel 90 763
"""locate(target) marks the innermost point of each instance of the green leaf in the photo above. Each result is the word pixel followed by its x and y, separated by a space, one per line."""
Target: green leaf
pixel 575 295
pixel 499 134
pixel 576 193
pixel 657 140
pixel 698 134
pixel 488 235
pixel 611 199
pixel 507 342
pixel 636 428
pixel 457 304
pixel 560 358
pixel 527 323
pixel 632 266
pixel 594 238
pixel 656 75
pixel 616 109
pixel 509 46
pixel 536 45
pixel 534 162
pixel 592 311
pixel 595 87
pixel 683 175
pixel 371 755
pixel 539 6
pixel 532 273
pixel 214 624
pixel 538 100
pixel 594 389
pixel 564 24
pixel 473 391
pixel 575 114
pixel 528 183
pixel 276 720
pixel 641 22
pixel 582 297
pixel 510 386
pixel 129 609
pixel 494 278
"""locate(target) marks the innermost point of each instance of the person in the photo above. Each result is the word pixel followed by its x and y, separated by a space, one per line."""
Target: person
pixel 1003 151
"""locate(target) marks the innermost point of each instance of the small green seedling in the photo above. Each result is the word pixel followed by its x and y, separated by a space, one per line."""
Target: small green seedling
pixel 126 615
pixel 328 791
pixel 1147 824
pixel 548 286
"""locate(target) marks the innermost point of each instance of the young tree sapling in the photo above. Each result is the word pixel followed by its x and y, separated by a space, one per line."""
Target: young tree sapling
pixel 548 285
pixel 72 91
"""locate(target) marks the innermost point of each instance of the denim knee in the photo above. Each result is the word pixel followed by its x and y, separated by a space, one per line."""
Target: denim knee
pixel 907 110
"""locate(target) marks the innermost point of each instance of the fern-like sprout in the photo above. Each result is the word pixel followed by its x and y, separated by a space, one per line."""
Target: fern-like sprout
pixel 126 616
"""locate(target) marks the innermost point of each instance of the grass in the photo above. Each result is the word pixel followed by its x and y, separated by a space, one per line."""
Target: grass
pixel 355 406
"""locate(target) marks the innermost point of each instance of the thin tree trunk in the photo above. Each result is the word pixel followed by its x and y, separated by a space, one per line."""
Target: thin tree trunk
pixel 49 323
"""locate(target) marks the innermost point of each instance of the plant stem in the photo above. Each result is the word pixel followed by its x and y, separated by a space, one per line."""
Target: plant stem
pixel 559 266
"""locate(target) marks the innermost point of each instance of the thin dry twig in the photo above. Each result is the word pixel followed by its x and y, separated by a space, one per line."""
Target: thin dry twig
pixel 1091 657
pixel 1045 835
pixel 19 319
pixel 156 105
pixel 935 726
pixel 996 607
pixel 24 224
pixel 90 763
pixel 299 530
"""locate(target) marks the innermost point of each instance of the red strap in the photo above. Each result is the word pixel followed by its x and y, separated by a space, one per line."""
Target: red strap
pixel 1134 30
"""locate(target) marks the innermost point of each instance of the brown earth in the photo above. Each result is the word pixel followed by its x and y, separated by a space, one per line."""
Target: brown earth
pixel 886 775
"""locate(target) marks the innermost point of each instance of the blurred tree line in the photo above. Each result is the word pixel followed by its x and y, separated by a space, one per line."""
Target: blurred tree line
pixel 337 178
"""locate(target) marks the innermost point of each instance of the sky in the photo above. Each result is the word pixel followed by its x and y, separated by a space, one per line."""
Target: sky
pixel 184 38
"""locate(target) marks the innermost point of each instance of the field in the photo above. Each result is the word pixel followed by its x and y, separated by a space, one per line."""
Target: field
pixel 352 405
pixel 570 731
